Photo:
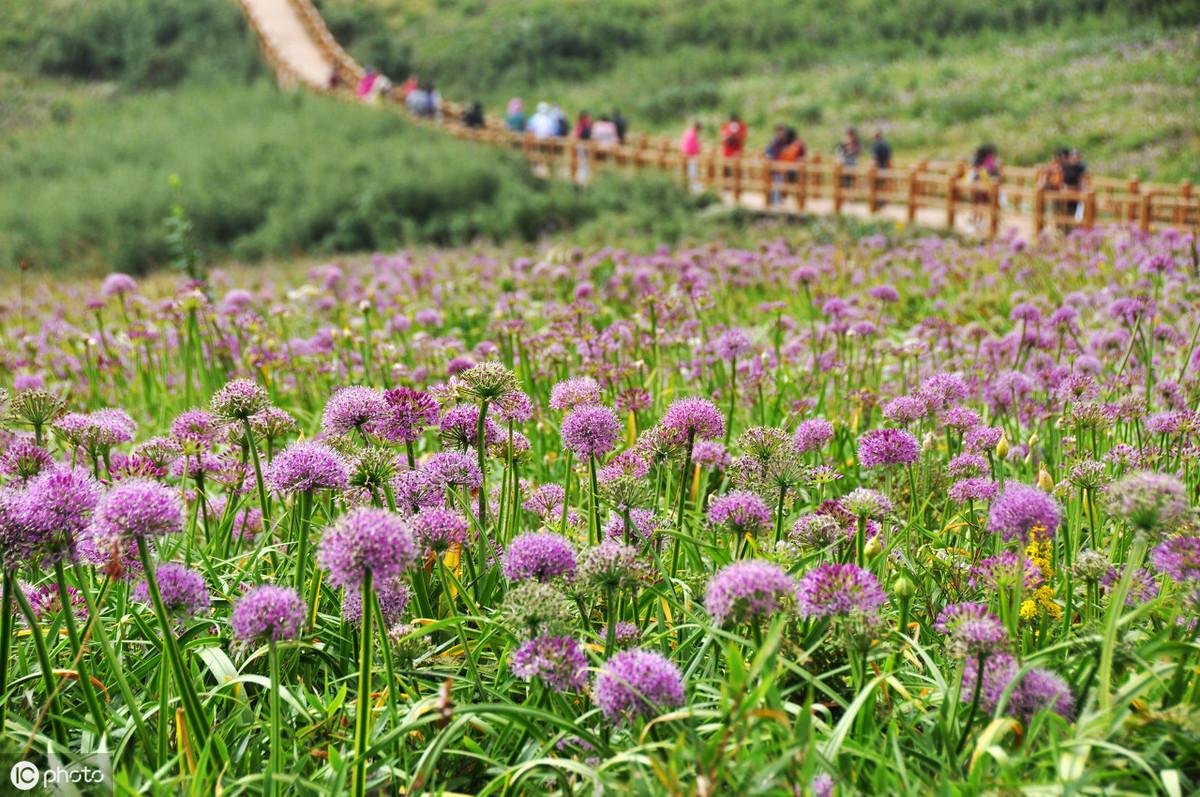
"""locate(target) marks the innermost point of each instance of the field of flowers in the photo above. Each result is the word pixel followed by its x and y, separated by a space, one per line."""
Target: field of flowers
pixel 870 517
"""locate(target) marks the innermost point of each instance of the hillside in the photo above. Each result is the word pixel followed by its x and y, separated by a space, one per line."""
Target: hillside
pixel 941 77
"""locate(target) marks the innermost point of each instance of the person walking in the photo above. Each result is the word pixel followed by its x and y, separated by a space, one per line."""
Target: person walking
pixel 689 148
pixel 583 133
pixel 733 137
pixel 621 124
pixel 514 117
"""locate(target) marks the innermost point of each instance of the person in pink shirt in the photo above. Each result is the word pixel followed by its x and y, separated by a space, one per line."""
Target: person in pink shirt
pixel 689 147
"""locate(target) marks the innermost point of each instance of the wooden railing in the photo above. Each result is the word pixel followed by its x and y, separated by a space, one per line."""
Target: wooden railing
pixel 929 193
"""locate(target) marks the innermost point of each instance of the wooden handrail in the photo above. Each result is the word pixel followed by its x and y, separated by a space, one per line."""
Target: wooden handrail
pixel 922 192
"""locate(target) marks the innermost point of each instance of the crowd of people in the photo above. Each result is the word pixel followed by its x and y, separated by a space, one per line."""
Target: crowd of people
pixel 1067 172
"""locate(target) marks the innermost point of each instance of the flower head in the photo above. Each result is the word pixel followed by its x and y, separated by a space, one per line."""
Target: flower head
pixel 637 683
pixel 540 556
pixel 238 400
pixel 364 540
pixel 306 467
pixel 572 393
pixel 437 529
pixel 1020 509
pixel 610 565
pixel 268 614
pixel 533 608
pixel 1151 502
pixel 971 630
pixel 488 381
pixel 1179 558
pixel 135 509
pixel 183 591
pixel 743 511
pixel 812 435
pixel 884 447
pixel 694 418
pixel 749 591
pixel 393 598
pixel 591 431
pixel 558 661
pixel 839 590
pixel 353 409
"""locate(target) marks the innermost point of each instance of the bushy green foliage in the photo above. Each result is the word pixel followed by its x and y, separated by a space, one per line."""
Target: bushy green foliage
pixel 142 43
pixel 266 174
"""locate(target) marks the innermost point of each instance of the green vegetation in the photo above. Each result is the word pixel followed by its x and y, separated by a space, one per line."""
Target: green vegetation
pixel 941 76
pixel 269 174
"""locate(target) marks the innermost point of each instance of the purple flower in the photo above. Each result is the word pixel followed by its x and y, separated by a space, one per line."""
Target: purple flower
pixel 539 556
pixel 352 409
pixel 695 419
pixel 839 590
pixel 971 630
pixel 966 465
pixel 1020 509
pixel 979 488
pixel 268 614
pixel 982 439
pixel 195 429
pixel 1004 570
pixel 545 500
pixel 610 565
pixel 1142 586
pixel 998 672
pixel 438 529
pixel 591 431
pixel 710 454
pixel 821 785
pixel 183 591
pixel 54 509
pixel 364 540
pixel 557 660
pixel 117 284
pixel 408 414
pixel 1179 558
pixel 572 393
pixel 1042 690
pixel 644 522
pixel 904 410
pixel 460 428
pixel 1150 502
pixel 637 683
pixel 305 467
pixel 46 601
pixel 238 400
pixel 749 591
pixel 393 598
pixel 732 343
pixel 812 435
pixel 743 511
pixel 25 460
pixel 868 503
pixel 137 509
pixel 453 469
pixel 884 447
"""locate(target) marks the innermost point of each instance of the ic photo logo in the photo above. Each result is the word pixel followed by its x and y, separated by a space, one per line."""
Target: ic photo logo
pixel 25 775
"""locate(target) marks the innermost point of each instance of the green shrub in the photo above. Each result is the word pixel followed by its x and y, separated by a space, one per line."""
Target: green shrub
pixel 94 193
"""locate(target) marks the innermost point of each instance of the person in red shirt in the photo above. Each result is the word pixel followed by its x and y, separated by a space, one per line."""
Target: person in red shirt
pixel 733 137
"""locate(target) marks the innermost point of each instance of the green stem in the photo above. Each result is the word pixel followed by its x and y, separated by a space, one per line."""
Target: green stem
pixel 362 718
pixel 263 503
pixel 81 665
pixel 272 784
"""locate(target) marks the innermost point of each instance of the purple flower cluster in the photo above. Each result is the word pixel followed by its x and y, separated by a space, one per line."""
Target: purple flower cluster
pixel 183 591
pixel 742 511
pixel 885 447
pixel 749 592
pixel 238 400
pixel 436 529
pixel 365 540
pixel 1020 509
pixel 137 509
pixel 409 412
pixel 307 467
pixel 571 393
pixel 637 683
pixel 1179 558
pixel 971 630
pixel 267 614
pixel 694 418
pixel 839 590
pixel 353 409
pixel 558 661
pixel 591 431
pixel 812 435
pixel 539 556
pixel 1038 690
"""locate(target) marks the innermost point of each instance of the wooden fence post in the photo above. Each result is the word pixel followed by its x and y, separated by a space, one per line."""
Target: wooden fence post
pixel 801 183
pixel 1146 210
pixel 837 188
pixel 872 188
pixel 951 193
pixel 994 210
pixel 914 178
pixel 1039 209
pixel 1089 209
pixel 574 175
pixel 768 173
pixel 1185 197
pixel 1131 211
